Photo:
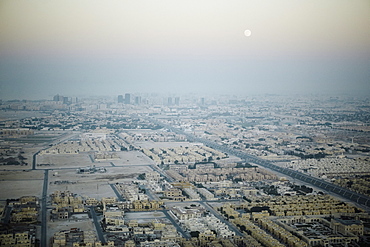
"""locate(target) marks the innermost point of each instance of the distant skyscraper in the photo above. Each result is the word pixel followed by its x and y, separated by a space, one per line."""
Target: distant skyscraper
pixel 58 98
pixel 202 101
pixel 177 101
pixel 169 101
pixel 137 100
pixel 127 98
pixel 120 99
pixel 65 100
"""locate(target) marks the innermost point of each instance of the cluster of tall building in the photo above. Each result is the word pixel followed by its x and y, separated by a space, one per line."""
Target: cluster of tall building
pixel 65 100
pixel 129 99
pixel 171 101
pixel 137 100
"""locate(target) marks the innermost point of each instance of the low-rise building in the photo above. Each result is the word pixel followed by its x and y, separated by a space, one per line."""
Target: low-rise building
pixel 348 226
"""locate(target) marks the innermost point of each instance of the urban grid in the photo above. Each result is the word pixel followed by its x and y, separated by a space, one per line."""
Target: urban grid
pixel 140 170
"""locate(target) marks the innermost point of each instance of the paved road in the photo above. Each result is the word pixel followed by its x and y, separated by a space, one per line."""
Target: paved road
pixel 7 213
pixel 120 198
pixel 326 186
pixel 149 193
pixel 59 140
pixel 178 227
pixel 221 218
pixel 160 171
pixel 34 160
pixel 98 228
pixel 44 210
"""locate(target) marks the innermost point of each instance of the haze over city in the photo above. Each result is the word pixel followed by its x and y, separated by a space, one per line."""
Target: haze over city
pixel 174 123
pixel 109 47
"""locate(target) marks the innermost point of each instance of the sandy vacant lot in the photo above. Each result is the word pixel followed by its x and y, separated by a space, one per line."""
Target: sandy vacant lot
pixel 15 184
pixel 22 175
pixel 63 160
pixel 132 158
pixel 13 189
pixel 96 185
pixel 84 224
pixel 63 175
pixel 146 217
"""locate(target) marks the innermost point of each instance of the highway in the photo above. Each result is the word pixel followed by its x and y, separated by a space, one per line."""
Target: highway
pixel 324 185
pixel 320 183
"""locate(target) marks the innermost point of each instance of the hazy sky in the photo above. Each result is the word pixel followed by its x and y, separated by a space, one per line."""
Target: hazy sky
pixel 111 47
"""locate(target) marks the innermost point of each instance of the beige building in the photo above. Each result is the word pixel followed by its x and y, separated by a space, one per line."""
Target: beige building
pixel 346 227
pixel 146 205
pixel 185 213
pixel 174 194
pixel 76 238
pixel 113 215
pixel 65 204
pixel 18 239
pixel 316 231
pixel 153 176
pixel 25 210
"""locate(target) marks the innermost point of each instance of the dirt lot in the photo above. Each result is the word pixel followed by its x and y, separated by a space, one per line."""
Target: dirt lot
pixel 83 223
pixel 146 217
pixel 15 184
pixel 96 185
pixel 63 160
pixel 132 158
pixel 17 188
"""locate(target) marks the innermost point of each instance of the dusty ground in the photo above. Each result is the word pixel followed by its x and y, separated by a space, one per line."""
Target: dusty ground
pixel 146 217
pixel 18 181
pixel 96 185
pixel 132 158
pixel 85 224
pixel 15 184
pixel 63 161
pixel 151 144
pixel 17 188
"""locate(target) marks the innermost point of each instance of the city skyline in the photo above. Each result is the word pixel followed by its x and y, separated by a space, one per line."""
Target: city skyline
pixel 115 47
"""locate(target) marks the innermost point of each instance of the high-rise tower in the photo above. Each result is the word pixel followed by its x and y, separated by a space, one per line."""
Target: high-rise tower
pixel 120 99
pixel 127 98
